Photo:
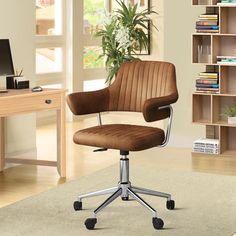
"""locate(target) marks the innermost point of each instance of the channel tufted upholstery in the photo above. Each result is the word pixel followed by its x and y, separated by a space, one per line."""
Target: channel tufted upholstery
pixel 140 86
pixel 120 136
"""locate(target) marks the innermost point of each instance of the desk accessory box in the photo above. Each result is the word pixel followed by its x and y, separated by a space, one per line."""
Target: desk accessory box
pixel 17 82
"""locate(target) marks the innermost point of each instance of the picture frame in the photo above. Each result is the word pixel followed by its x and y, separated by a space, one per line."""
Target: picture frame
pixel 142 4
pixel 148 50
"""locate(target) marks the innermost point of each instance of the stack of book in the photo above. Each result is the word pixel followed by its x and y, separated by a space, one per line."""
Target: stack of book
pixel 226 60
pixel 226 2
pixel 207 82
pixel 207 23
pixel 205 145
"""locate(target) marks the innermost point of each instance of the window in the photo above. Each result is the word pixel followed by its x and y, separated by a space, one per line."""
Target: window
pixel 94 73
pixel 90 85
pixel 48 17
pixel 91 60
pixel 50 42
pixel 48 60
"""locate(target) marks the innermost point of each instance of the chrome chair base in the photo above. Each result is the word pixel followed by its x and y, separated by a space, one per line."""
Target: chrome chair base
pixel 125 190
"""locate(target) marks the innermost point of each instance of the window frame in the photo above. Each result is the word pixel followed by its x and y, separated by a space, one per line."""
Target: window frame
pixel 53 41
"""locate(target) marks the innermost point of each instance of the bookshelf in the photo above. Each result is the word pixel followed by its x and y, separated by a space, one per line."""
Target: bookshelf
pixel 207 47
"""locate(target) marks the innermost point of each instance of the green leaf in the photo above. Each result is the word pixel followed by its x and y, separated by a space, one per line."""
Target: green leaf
pixel 137 25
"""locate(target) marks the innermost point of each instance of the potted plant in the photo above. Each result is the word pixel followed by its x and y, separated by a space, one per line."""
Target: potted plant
pixel 230 112
pixel 124 34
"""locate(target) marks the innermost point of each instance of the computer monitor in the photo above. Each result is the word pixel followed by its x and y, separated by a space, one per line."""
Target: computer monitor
pixel 6 64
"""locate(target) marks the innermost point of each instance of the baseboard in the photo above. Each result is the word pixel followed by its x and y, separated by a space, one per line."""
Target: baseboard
pixel 26 154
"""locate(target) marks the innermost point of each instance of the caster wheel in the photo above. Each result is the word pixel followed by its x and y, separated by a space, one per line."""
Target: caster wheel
pixel 157 223
pixel 125 198
pixel 77 206
pixel 90 223
pixel 170 204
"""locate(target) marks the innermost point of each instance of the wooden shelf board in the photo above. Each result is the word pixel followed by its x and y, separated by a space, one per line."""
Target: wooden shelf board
pixel 227 64
pixel 199 34
pixel 206 64
pixel 223 6
pixel 224 123
pixel 218 123
pixel 216 6
pixel 216 94
pixel 202 122
pixel 209 34
pixel 193 5
pixel 202 94
pixel 225 95
pixel 225 35
pixel 229 153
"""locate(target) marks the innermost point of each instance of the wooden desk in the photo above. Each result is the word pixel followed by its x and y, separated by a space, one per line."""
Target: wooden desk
pixel 24 101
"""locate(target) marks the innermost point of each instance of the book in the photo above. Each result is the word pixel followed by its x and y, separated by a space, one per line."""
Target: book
pixel 205 145
pixel 208 15
pixel 214 27
pixel 228 60
pixel 207 77
pixel 207 81
pixel 207 31
pixel 226 63
pixel 208 92
pixel 226 57
pixel 207 89
pixel 227 4
pixel 206 150
pixel 227 1
pixel 206 22
pixel 209 18
pixel 207 85
pixel 209 74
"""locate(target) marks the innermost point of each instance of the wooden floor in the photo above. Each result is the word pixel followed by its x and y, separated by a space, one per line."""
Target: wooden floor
pixel 22 181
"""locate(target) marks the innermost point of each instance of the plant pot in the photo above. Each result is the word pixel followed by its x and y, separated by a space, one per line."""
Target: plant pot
pixel 232 120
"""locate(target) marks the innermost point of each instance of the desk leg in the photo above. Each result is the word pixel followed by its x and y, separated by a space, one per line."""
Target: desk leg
pixel 61 139
pixel 2 143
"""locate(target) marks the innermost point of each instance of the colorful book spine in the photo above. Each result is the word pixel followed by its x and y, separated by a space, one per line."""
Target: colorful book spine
pixel 207 31
pixel 226 3
pixel 207 23
pixel 214 23
pixel 227 60
pixel 207 82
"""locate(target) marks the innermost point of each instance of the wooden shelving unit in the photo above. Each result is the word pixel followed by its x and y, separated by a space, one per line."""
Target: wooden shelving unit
pixel 208 108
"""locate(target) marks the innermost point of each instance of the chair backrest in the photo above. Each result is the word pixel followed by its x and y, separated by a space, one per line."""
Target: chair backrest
pixel 138 81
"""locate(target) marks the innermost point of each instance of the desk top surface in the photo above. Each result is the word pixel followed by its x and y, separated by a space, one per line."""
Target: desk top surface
pixel 28 92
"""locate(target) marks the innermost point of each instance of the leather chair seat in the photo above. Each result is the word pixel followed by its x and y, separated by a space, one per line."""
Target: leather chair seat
pixel 120 136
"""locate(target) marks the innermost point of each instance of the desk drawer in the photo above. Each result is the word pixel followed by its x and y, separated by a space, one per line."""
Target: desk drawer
pixel 33 103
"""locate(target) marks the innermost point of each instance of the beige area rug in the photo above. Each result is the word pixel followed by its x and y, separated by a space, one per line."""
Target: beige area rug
pixel 205 206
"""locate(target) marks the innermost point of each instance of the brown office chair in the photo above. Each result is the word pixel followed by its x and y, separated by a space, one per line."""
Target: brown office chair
pixel 140 86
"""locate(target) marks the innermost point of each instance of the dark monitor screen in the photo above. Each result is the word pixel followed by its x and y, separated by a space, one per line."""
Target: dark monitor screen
pixel 6 64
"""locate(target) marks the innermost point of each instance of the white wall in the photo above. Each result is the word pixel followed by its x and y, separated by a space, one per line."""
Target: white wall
pixel 180 18
pixel 17 22
pixel 157 36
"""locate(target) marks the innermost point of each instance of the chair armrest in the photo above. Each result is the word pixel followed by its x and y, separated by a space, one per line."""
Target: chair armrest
pixel 82 103
pixel 151 111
